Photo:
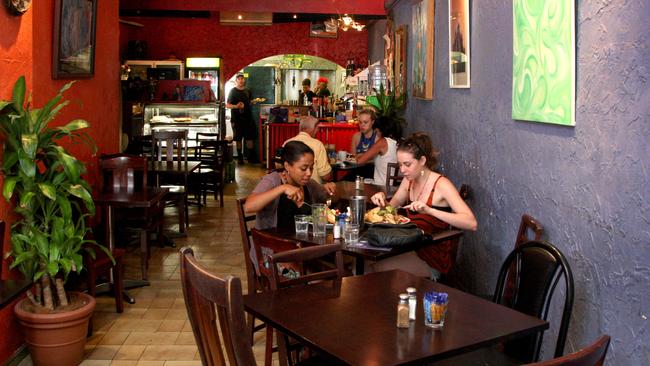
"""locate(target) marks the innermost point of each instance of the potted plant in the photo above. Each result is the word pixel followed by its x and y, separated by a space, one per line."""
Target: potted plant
pixel 389 105
pixel 52 202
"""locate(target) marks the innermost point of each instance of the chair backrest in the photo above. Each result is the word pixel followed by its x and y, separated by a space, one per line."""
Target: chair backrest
pixel 393 177
pixel 169 145
pixel 539 266
pixel 123 172
pixel 528 224
pixel 592 355
pixel 299 257
pixel 209 298
pixel 265 245
pixel 245 223
pixel 211 153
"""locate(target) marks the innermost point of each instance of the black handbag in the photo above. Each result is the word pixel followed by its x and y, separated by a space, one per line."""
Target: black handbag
pixel 393 235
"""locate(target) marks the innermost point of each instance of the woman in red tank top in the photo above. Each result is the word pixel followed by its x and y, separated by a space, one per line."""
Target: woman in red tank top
pixel 432 203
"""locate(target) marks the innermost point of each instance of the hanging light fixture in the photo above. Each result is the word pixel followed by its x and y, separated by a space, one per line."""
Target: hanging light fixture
pixel 346 22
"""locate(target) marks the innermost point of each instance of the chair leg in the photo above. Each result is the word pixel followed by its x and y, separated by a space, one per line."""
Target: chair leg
pixel 268 352
pixel 144 254
pixel 118 284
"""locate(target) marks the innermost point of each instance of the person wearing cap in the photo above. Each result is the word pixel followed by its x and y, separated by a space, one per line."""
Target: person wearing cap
pixel 241 118
pixel 308 130
pixel 321 88
pixel 306 95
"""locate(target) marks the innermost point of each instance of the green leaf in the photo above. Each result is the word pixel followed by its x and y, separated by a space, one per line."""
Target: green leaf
pixel 53 268
pixel 75 125
pixel 3 104
pixel 19 94
pixel 26 198
pixel 69 164
pixel 27 165
pixel 48 190
pixel 8 188
pixel 78 190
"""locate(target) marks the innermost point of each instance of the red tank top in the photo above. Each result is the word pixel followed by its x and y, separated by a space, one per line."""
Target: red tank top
pixel 440 255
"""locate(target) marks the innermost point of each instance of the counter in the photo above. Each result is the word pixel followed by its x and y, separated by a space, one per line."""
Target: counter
pixel 275 134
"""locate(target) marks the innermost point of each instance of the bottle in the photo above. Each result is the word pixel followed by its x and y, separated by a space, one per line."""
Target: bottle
pixel 337 228
pixel 413 300
pixel 403 311
pixel 358 183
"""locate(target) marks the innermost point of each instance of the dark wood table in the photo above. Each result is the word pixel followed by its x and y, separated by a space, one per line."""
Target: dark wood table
pixel 344 190
pixel 149 197
pixel 365 170
pixel 356 321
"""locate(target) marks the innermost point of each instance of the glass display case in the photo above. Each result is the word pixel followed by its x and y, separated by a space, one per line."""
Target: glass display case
pixel 194 117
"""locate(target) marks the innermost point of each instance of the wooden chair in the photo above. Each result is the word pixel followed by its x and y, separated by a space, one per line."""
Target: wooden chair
pixel 254 280
pixel 121 172
pixel 103 264
pixel 209 299
pixel 592 355
pixel 209 177
pixel 169 146
pixel 297 260
pixel 265 245
pixel 393 177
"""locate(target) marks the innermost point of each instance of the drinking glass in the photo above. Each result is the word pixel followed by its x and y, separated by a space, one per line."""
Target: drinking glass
pixel 351 234
pixel 302 223
pixel 319 218
pixel 435 309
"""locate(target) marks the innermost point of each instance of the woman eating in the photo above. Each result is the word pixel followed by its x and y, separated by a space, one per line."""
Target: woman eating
pixel 383 151
pixel 367 135
pixel 432 203
pixel 282 194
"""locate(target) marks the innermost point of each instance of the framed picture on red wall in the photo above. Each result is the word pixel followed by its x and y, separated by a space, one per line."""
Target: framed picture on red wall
pixel 326 29
pixel 73 49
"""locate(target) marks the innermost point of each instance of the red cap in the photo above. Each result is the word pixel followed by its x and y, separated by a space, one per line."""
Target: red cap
pixel 322 80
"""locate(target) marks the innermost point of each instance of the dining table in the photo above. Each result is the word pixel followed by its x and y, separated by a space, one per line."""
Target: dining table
pixel 342 169
pixel 362 252
pixel 354 320
pixel 146 198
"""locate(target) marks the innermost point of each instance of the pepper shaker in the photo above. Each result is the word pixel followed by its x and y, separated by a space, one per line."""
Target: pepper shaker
pixel 412 302
pixel 403 311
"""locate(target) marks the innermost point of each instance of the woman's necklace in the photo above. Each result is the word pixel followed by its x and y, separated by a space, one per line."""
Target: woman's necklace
pixel 424 185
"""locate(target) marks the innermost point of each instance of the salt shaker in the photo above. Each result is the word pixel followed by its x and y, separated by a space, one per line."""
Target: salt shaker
pixel 412 302
pixel 358 183
pixel 336 230
pixel 403 311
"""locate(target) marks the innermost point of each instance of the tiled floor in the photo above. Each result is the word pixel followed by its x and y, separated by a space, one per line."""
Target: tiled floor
pixel 155 331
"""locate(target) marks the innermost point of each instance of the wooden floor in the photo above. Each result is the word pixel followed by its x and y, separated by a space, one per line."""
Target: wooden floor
pixel 155 331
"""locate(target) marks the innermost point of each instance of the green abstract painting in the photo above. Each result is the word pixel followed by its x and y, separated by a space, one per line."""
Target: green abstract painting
pixel 543 61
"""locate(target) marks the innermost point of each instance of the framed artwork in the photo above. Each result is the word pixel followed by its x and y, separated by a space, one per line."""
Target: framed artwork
pixel 326 29
pixel 459 37
pixel 543 61
pixel 422 35
pixel 389 54
pixel 400 59
pixel 73 54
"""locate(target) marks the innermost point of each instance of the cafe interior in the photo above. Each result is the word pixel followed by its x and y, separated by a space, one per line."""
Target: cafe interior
pixel 539 112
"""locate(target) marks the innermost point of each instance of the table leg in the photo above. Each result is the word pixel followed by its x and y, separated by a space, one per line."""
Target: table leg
pixel 358 266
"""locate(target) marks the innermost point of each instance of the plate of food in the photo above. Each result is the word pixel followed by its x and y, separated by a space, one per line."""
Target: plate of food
pixel 385 215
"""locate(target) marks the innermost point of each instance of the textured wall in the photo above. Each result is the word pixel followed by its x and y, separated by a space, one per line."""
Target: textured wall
pixel 588 185
pixel 242 45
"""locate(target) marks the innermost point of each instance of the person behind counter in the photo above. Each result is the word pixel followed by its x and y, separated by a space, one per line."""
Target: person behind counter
pixel 431 202
pixel 384 151
pixel 241 118
pixel 367 135
pixel 281 194
pixel 306 95
pixel 308 130
pixel 321 87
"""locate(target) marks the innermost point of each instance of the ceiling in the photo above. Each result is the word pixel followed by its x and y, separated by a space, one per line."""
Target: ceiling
pixel 283 10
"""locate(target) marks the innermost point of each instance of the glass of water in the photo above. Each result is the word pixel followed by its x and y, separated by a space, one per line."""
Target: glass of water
pixel 302 223
pixel 319 218
pixel 351 234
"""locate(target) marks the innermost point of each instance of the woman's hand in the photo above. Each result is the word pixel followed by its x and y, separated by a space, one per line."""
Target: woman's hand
pixel 294 193
pixel 330 188
pixel 379 199
pixel 417 206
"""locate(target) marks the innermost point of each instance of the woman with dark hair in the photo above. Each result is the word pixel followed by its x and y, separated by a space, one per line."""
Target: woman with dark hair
pixel 281 194
pixel 384 151
pixel 432 203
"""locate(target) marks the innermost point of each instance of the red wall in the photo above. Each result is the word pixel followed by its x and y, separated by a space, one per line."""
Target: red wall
pixel 241 45
pixel 26 49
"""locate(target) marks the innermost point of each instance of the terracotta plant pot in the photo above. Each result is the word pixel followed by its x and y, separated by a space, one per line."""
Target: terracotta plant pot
pixel 57 339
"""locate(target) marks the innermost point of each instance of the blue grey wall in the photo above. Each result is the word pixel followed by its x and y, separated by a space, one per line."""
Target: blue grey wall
pixel 588 184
